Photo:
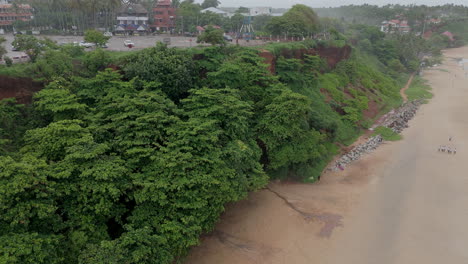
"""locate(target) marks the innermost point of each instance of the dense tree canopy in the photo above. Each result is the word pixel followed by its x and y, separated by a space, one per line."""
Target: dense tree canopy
pixel 299 21
pixel 132 164
pixel 210 3
pixel 212 36
pixel 96 37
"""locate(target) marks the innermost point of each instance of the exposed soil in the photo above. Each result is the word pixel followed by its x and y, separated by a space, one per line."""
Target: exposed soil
pixel 372 110
pixel 332 55
pixel 21 88
pixel 408 84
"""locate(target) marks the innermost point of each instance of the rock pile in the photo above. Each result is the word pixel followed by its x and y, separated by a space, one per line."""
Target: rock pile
pixel 397 120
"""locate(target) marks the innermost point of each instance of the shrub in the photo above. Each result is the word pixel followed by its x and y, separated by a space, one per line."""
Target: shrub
pixel 8 61
pixel 387 133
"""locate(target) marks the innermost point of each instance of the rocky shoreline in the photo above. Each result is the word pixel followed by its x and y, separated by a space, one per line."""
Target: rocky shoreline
pixel 397 120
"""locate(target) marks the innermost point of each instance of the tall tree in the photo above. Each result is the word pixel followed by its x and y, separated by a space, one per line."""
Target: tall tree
pixel 210 3
pixel 299 21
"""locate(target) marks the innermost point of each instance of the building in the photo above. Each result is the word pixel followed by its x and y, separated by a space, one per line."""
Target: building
pixel 258 11
pixel 449 35
pixel 132 19
pixel 10 13
pixel 395 25
pixel 164 16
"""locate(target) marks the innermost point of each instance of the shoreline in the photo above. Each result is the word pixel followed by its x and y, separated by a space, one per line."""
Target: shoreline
pixel 265 228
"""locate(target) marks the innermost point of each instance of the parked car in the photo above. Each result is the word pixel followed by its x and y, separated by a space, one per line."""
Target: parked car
pixel 227 38
pixel 129 44
pixel 86 44
pixel 108 34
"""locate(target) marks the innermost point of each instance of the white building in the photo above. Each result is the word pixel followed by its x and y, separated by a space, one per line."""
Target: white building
pixel 260 10
pixel 132 14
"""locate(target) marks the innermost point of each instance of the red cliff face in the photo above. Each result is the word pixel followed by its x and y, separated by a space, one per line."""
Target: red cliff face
pixel 21 88
pixel 270 60
pixel 332 55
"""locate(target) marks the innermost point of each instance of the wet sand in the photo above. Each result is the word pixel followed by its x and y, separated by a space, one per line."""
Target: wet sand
pixel 404 203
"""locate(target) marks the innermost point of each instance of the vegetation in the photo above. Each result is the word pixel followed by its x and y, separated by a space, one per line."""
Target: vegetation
pixel 133 165
pixel 299 21
pixel 29 44
pixel 2 48
pixel 387 133
pixel 212 36
pixel 419 89
pixel 96 37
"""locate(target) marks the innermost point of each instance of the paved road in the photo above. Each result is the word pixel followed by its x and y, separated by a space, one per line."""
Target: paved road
pixel 404 204
pixel 116 42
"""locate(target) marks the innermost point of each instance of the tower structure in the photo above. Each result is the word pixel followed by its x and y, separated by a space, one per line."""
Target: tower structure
pixel 247 31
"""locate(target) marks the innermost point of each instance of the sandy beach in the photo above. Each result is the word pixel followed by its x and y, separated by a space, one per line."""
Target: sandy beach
pixel 404 203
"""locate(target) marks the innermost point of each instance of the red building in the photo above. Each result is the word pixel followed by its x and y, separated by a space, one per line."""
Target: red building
pixel 164 16
pixel 10 13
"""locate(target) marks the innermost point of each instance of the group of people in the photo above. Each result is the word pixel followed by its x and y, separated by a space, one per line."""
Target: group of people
pixel 449 150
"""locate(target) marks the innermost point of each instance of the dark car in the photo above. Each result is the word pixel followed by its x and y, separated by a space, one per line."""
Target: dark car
pixel 227 38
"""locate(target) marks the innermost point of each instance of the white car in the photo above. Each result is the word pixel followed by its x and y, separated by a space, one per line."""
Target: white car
pixel 86 44
pixel 129 44
pixel 108 34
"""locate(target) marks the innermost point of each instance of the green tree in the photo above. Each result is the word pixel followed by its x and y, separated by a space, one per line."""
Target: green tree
pixel 52 64
pixel 260 22
pixel 210 3
pixel 171 69
pixel 187 16
pixel 242 10
pixel 3 51
pixel 96 37
pixel 210 18
pixel 299 21
pixel 284 130
pixel 12 123
pixel 212 36
pixel 96 60
pixel 29 44
pixel 56 102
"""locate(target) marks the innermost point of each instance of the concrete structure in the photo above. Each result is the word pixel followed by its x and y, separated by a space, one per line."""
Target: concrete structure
pixel 395 25
pixel 164 16
pixel 131 19
pixel 10 14
pixel 258 11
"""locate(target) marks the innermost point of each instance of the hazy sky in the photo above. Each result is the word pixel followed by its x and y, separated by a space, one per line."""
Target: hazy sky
pixel 328 3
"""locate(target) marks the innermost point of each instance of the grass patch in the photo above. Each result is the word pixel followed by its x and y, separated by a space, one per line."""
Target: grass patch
pixel 19 70
pixel 419 90
pixel 387 134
